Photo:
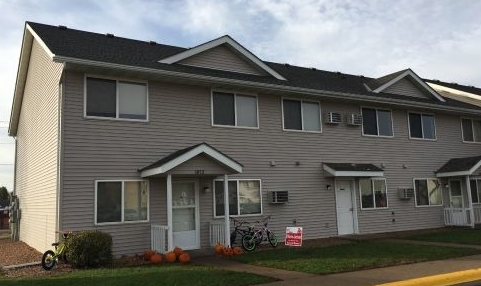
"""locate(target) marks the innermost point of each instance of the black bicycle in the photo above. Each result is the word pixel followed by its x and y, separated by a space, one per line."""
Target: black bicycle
pixel 259 234
pixel 241 229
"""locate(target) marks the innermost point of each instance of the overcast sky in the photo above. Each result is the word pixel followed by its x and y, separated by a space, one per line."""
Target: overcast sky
pixel 437 39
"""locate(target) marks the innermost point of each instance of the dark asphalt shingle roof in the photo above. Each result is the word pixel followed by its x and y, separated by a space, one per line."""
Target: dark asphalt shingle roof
pixel 459 164
pixel 117 50
pixel 377 82
pixel 350 167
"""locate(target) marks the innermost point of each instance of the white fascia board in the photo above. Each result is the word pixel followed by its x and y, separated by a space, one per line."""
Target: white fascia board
pixel 352 173
pixel 217 42
pixel 189 155
pixel 454 91
pixel 416 78
pixel 265 86
pixel 40 41
pixel 452 174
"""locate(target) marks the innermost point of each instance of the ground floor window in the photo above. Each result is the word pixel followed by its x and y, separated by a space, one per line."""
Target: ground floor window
pixel 373 193
pixel 121 201
pixel 476 191
pixel 244 197
pixel 428 192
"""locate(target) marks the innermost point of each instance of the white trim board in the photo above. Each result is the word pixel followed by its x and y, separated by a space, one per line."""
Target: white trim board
pixel 352 173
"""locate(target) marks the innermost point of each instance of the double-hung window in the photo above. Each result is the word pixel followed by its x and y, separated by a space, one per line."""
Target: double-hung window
pixel 422 126
pixel 471 130
pixel 428 192
pixel 121 201
pixel 233 109
pixel 109 98
pixel 301 115
pixel 244 197
pixel 475 185
pixel 373 193
pixel 376 122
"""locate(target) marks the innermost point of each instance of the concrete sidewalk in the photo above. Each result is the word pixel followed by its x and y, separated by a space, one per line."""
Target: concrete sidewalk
pixel 371 276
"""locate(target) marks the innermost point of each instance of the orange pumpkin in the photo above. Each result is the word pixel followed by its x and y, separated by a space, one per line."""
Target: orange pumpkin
pixel 156 258
pixel 237 250
pixel 184 258
pixel 178 251
pixel 219 249
pixel 228 251
pixel 170 257
pixel 148 254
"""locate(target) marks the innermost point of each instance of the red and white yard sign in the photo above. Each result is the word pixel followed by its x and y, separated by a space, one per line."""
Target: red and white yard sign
pixel 293 236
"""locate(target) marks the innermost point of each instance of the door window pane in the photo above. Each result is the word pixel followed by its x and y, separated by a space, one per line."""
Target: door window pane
pixel 246 111
pixel 369 121
pixel 109 202
pixel 135 201
pixel 292 114
pixel 132 100
pixel 415 127
pixel 101 97
pixel 224 110
pixel 429 130
pixel 311 116
pixel 249 197
pixel 384 122
pixel 219 198
pixel 467 130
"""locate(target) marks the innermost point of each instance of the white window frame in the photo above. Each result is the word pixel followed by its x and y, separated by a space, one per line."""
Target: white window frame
pixel 117 80
pixel 377 122
pixel 122 202
pixel 373 194
pixel 429 203
pixel 235 108
pixel 238 201
pixel 478 184
pixel 422 127
pixel 472 128
pixel 302 115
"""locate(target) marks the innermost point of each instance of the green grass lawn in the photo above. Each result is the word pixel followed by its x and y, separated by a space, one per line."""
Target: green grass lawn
pixel 145 275
pixel 462 236
pixel 350 257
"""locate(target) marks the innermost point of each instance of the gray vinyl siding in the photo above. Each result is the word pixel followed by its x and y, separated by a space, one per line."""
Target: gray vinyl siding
pixel 37 137
pixel 180 116
pixel 222 58
pixel 406 87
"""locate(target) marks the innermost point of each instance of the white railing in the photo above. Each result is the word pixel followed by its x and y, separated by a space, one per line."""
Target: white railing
pixel 158 238
pixel 477 213
pixel 457 216
pixel 217 232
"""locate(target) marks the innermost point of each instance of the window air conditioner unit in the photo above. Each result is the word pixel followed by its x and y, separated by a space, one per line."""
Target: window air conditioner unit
pixel 354 119
pixel 405 193
pixel 333 118
pixel 278 197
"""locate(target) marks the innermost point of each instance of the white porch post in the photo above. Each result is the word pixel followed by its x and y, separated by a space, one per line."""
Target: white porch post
pixel 226 211
pixel 170 236
pixel 470 203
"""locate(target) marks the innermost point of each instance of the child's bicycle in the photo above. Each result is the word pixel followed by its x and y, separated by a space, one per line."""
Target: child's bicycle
pixel 241 229
pixel 259 234
pixel 50 257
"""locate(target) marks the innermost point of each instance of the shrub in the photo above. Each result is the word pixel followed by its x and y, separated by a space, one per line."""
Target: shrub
pixel 90 248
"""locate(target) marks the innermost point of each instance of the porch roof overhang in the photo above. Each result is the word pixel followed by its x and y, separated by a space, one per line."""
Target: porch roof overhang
pixel 459 167
pixel 179 157
pixel 352 170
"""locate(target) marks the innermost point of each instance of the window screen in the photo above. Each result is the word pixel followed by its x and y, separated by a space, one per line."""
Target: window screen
pixel 101 97
pixel 224 110
pixel 292 114
pixel 369 121
pixel 415 127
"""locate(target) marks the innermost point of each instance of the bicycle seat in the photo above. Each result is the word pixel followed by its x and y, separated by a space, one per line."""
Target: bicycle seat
pixel 55 244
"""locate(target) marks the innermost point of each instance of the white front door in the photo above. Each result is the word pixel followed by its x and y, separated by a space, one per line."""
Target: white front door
pixel 345 207
pixel 185 214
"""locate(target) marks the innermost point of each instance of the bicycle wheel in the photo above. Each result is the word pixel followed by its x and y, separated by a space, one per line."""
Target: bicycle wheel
pixel 272 238
pixel 249 242
pixel 48 260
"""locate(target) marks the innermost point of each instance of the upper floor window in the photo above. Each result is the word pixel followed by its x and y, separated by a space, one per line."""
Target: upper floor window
pixel 301 115
pixel 231 109
pixel 475 185
pixel 244 197
pixel 373 193
pixel 427 192
pixel 376 122
pixel 121 201
pixel 471 130
pixel 422 126
pixel 116 99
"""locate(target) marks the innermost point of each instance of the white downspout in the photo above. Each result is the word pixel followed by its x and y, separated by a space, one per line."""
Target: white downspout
pixel 470 203
pixel 226 212
pixel 170 235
